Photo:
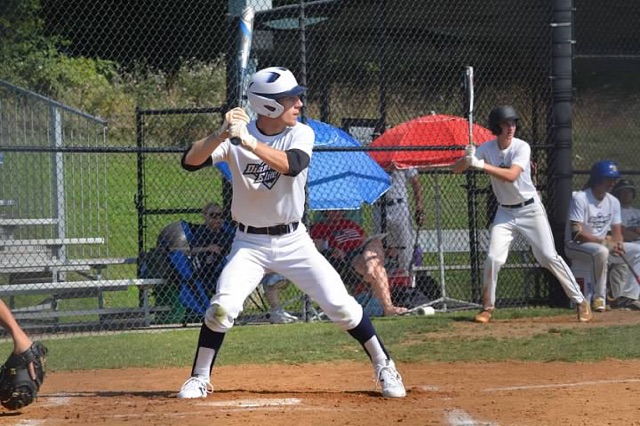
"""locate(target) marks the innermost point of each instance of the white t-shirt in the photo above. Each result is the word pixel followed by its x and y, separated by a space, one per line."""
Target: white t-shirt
pixel 518 153
pixel 630 216
pixel 263 196
pixel 596 216
pixel 399 179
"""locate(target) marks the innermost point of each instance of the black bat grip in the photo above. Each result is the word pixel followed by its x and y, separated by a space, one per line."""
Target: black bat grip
pixel 236 141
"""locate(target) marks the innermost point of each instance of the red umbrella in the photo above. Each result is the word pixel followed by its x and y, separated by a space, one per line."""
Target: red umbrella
pixel 436 130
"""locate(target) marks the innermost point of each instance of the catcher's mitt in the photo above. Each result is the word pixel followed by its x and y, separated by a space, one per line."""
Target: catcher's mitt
pixel 17 388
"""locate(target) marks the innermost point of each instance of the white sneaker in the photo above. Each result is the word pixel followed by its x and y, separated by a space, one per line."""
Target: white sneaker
pixel 390 380
pixel 195 387
pixel 280 316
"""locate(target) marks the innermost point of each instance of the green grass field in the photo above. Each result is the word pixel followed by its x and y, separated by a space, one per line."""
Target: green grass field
pixel 410 339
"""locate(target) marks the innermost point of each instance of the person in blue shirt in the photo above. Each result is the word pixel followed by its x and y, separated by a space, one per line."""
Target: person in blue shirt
pixel 209 245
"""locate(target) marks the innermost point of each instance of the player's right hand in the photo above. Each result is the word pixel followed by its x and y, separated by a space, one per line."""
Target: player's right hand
pixel 239 130
pixel 474 162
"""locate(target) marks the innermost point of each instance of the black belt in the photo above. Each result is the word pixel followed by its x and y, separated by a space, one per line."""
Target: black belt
pixel 517 206
pixel 269 230
pixel 393 201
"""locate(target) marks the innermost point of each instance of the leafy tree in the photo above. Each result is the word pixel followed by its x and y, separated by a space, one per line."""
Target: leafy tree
pixel 32 59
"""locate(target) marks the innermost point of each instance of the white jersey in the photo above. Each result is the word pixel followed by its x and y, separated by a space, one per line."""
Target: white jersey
pixel 595 216
pixel 399 179
pixel 518 153
pixel 630 217
pixel 262 196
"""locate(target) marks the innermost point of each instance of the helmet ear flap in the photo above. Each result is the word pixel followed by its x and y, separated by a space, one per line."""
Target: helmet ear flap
pixel 275 108
pixel 265 106
pixel 496 130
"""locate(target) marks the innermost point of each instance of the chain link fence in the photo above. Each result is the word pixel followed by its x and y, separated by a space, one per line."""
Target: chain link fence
pixel 101 228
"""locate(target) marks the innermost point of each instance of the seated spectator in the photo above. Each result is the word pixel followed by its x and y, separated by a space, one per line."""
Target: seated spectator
pixel 345 245
pixel 594 234
pixel 272 284
pixel 209 245
pixel 190 257
pixel 625 192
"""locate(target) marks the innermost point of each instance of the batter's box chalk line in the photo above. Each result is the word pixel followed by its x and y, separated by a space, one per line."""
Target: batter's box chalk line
pixel 255 402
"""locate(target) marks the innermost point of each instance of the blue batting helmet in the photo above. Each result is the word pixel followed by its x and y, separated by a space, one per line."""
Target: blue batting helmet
pixel 603 169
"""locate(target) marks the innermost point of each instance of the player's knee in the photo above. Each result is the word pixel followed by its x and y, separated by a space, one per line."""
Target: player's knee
pixel 219 318
pixel 347 315
pixel 547 259
pixel 601 255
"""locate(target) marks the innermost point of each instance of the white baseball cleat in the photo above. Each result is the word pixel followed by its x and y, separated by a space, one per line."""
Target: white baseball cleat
pixel 390 380
pixel 280 316
pixel 195 387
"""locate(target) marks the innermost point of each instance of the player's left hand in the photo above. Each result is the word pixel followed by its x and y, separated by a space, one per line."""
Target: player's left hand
pixel 235 115
pixel 239 130
pixel 231 117
pixel 615 247
pixel 618 248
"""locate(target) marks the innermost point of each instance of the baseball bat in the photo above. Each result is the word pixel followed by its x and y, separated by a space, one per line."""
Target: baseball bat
pixel 422 310
pixel 244 50
pixel 468 90
pixel 633 271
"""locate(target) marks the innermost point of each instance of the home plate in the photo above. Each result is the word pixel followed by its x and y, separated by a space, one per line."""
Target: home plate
pixel 252 403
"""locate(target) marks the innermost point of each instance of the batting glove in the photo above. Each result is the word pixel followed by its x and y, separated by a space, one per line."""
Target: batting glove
pixel 235 115
pixel 474 162
pixel 470 151
pixel 239 130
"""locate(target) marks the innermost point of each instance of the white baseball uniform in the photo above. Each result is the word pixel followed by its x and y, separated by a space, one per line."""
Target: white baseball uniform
pixel 631 218
pixel 263 197
pixel 519 211
pixel 596 217
pixel 399 223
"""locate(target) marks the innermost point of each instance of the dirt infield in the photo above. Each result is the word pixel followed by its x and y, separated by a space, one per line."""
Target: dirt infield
pixel 455 394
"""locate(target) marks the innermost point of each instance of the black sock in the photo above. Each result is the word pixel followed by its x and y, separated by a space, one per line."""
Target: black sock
pixel 366 335
pixel 205 360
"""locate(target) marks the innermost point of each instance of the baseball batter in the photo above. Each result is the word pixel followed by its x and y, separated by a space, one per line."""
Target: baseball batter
pixel 269 170
pixel 506 160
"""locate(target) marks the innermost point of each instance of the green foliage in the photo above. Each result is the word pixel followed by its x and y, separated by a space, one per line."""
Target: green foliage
pixel 32 59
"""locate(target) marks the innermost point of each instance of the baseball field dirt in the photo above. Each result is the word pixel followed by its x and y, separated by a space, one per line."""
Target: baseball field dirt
pixel 343 393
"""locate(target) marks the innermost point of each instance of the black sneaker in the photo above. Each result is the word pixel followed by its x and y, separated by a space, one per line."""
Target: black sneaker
pixel 626 303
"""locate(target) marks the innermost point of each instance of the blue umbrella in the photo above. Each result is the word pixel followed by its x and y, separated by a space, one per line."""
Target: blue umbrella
pixel 339 180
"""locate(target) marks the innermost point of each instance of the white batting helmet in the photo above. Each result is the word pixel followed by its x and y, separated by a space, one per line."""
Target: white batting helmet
pixel 268 85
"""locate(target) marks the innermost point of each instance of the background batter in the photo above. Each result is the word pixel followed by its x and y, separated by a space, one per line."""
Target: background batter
pixel 507 160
